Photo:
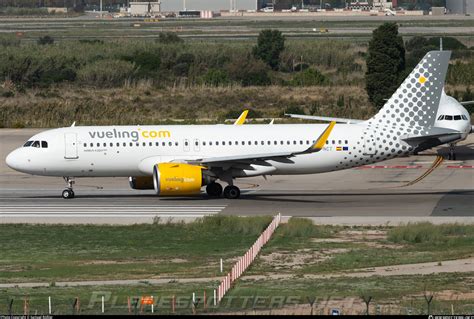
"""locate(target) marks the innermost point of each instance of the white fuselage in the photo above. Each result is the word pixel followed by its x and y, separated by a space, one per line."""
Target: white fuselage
pixel 134 150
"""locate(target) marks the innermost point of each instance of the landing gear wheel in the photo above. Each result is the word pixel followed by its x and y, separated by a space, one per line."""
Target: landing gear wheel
pixel 452 153
pixel 68 193
pixel 231 192
pixel 214 189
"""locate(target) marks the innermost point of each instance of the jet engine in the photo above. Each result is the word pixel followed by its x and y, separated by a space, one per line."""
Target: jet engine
pixel 179 179
pixel 141 182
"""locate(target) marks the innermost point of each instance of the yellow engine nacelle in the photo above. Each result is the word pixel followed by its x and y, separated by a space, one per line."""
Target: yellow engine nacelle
pixel 178 179
pixel 141 182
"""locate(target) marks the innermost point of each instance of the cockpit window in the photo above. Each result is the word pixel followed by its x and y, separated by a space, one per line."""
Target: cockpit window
pixel 44 144
pixel 35 144
pixel 448 117
pixel 440 117
pixel 464 117
pixel 457 117
pixel 27 144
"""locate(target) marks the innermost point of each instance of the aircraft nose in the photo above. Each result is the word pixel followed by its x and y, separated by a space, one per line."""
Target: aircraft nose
pixel 13 160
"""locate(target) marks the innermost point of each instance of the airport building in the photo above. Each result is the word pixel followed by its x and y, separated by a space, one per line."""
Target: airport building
pixel 145 8
pixel 212 5
pixel 460 6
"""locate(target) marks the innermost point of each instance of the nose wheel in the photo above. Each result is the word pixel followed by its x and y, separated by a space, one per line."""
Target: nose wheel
pixel 452 152
pixel 68 193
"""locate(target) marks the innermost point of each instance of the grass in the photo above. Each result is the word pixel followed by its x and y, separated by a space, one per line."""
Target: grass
pixel 399 290
pixel 61 253
pixel 143 104
pixel 348 249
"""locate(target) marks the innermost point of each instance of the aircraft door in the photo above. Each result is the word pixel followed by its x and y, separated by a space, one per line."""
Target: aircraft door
pixel 70 146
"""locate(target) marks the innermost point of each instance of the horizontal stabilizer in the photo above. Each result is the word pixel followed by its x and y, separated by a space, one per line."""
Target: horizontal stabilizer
pixel 324 118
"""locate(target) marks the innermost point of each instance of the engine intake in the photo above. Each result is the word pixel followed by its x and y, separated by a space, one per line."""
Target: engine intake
pixel 178 179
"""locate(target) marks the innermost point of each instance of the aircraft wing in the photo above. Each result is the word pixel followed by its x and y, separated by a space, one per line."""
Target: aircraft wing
pixel 467 102
pixel 324 118
pixel 228 160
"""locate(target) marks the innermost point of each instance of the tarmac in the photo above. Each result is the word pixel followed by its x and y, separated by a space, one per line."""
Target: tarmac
pixel 370 195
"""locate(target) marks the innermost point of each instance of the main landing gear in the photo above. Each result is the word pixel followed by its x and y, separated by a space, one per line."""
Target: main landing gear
pixel 68 193
pixel 215 190
pixel 452 152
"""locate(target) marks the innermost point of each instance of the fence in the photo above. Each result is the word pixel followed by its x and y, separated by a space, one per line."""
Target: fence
pixel 244 262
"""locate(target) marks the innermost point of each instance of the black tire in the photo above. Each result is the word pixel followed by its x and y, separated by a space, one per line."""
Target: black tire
pixel 68 194
pixel 214 189
pixel 231 192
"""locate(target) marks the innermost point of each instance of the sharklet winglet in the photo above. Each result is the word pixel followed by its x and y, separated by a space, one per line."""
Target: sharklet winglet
pixel 241 118
pixel 321 141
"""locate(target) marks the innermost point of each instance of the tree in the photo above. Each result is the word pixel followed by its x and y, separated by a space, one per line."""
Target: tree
pixel 385 63
pixel 269 46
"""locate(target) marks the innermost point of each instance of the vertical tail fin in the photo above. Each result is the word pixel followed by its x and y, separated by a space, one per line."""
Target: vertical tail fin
pixel 416 101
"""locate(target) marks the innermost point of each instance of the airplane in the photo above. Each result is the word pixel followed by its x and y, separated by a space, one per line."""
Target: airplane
pixel 451 115
pixel 178 160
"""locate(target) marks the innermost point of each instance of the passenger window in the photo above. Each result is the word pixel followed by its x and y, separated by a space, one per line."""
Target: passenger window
pixel 157 143
pixel 333 142
pixel 170 143
pixel 176 143
pixel 457 117
pixel 346 142
pixel 151 143
pixel 196 143
pixel 111 144
pixel 236 142
pixel 275 142
pixel 268 142
pixel 85 144
pixel 35 144
pixel 118 144
pixel 44 144
pixel 307 142
pixel 164 144
pixel 448 117
pixel 327 142
pixel 92 145
pixel 294 142
pixel 217 143
pixel 98 144
pixel 210 143
pixel 223 143
pixel 256 143
pixel 288 142
pixel 131 144
pixel 262 142
pixel 230 142
pixel 281 142
pixel 301 142
pixel 124 144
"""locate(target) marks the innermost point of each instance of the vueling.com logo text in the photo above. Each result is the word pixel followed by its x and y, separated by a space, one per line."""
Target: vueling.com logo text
pixel 133 135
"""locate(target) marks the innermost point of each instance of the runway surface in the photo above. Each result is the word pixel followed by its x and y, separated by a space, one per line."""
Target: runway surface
pixel 369 195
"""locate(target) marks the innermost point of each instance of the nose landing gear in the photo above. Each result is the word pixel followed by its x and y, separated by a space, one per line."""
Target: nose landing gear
pixel 452 152
pixel 68 193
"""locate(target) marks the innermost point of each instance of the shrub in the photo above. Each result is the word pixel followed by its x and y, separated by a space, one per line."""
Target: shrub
pixel 309 77
pixel 248 71
pixel 45 40
pixel 169 37
pixel 107 73
pixel 231 224
pixel 270 44
pixel 215 77
pixel 9 40
pixel 302 227
pixel 425 232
